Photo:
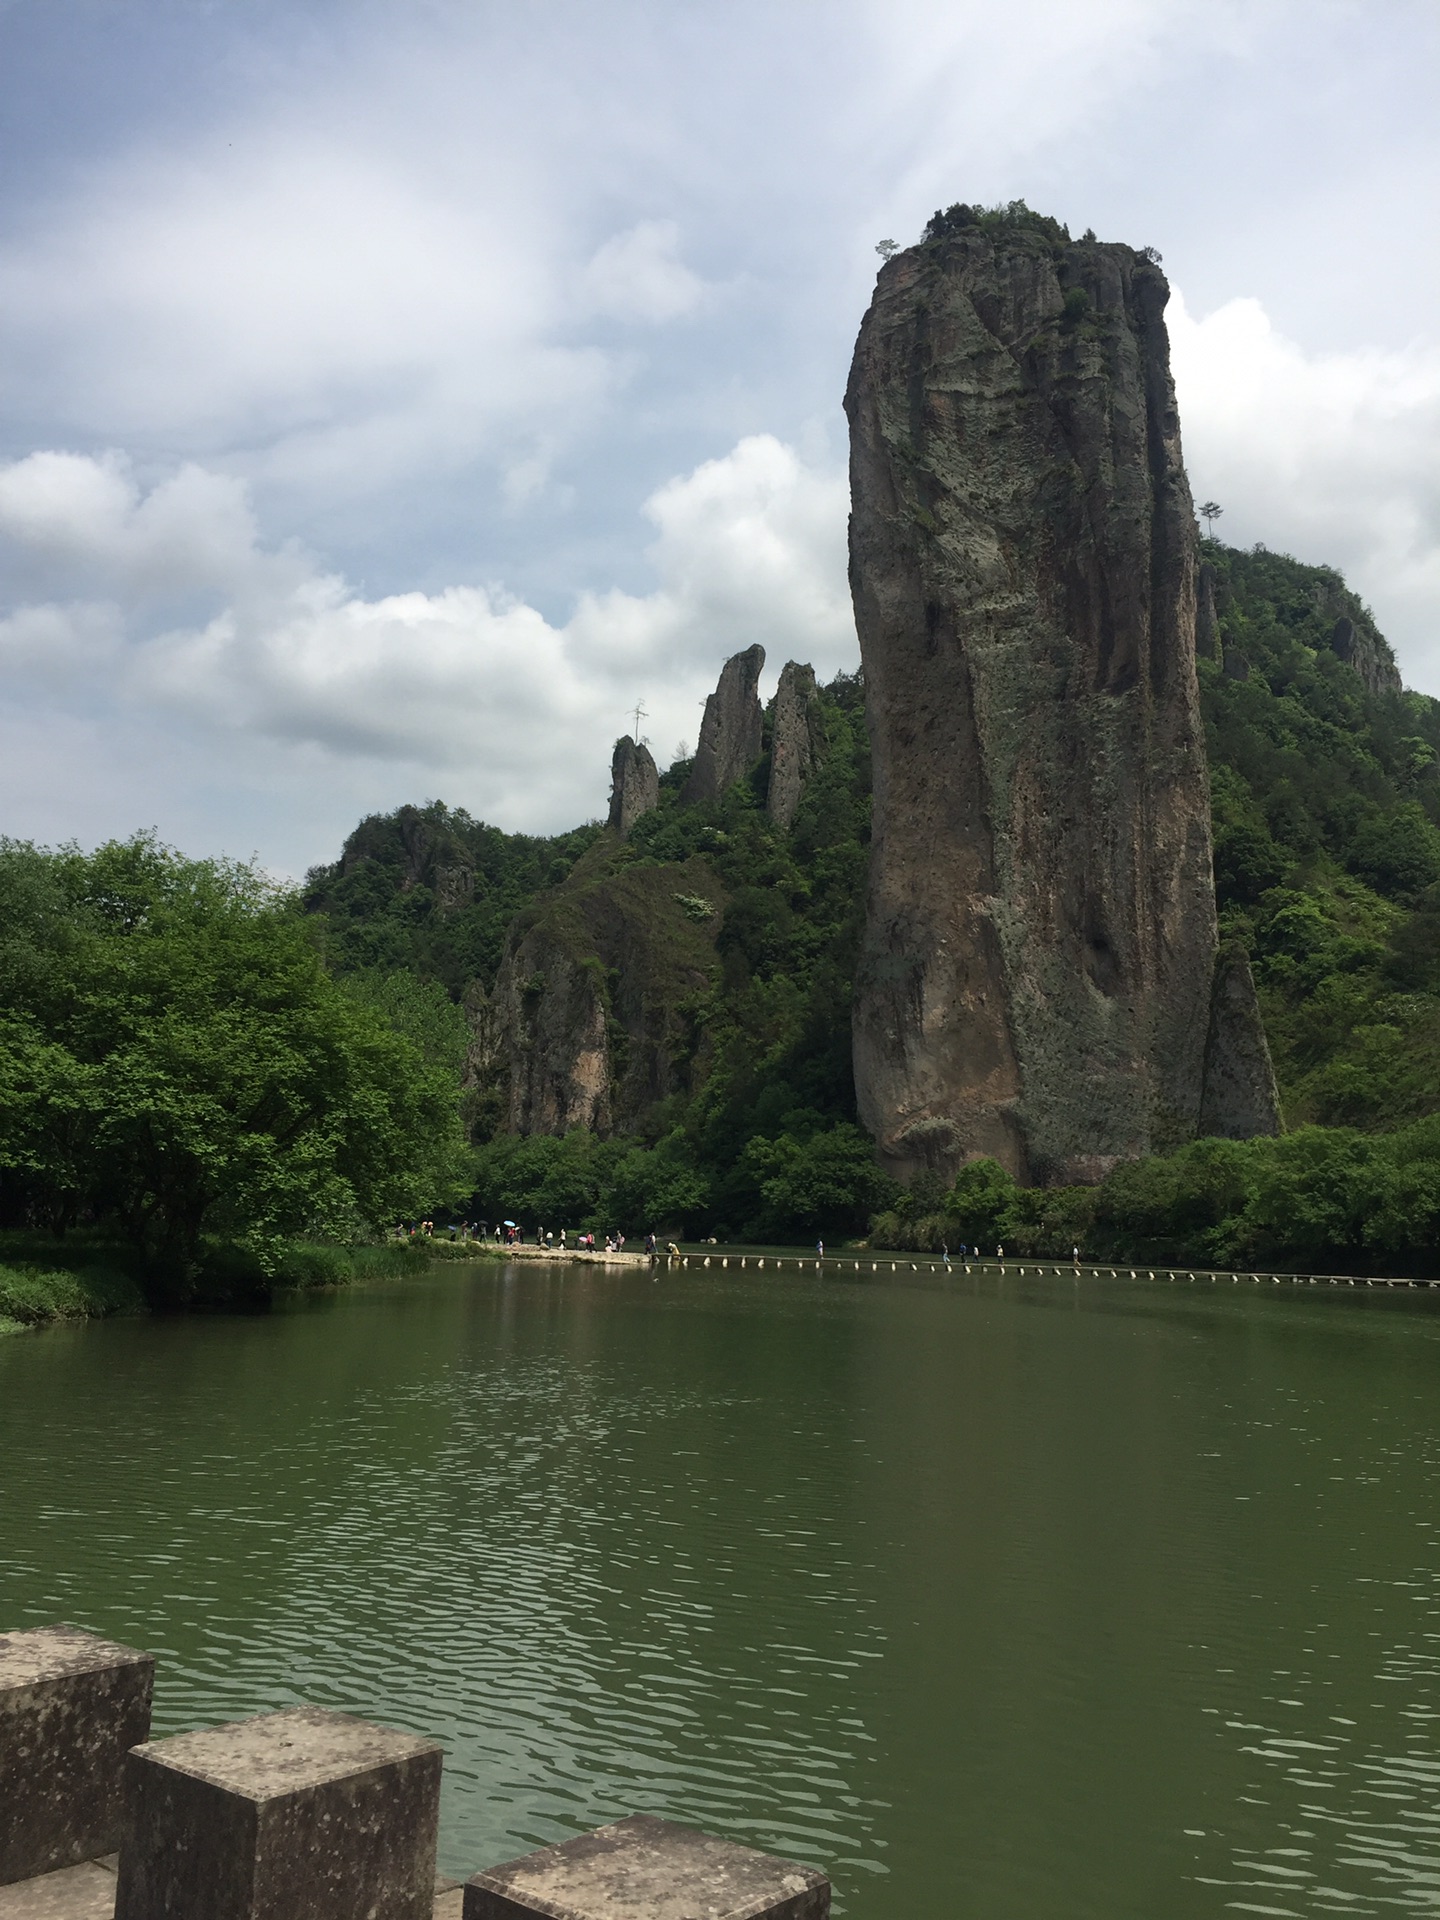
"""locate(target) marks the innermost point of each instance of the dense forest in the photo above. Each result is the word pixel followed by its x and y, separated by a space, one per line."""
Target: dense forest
pixel 192 1059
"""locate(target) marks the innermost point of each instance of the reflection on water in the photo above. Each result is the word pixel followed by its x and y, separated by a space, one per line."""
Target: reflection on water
pixel 1015 1599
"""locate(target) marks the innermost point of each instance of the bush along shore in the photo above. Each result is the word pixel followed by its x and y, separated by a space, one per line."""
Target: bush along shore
pixel 1321 1199
pixel 41 1283
pixel 44 1280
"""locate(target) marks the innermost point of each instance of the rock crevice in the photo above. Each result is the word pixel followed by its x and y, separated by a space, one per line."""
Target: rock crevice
pixel 1239 1097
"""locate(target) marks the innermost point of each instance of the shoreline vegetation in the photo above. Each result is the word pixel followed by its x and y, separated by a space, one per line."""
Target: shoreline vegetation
pixel 45 1281
pixel 46 1286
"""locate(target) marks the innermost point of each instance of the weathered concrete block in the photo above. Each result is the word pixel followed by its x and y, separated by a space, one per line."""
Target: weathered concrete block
pixel 303 1815
pixel 648 1869
pixel 70 1705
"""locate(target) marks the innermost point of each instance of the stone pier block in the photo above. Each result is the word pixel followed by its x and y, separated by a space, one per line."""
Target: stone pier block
pixel 70 1705
pixel 648 1869
pixel 303 1815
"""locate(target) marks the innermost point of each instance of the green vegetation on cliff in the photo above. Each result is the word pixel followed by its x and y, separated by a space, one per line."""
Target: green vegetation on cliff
pixel 775 1022
pixel 1325 781
pixel 430 891
pixel 758 1134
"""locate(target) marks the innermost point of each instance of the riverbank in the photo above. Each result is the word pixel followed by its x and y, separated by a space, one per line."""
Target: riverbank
pixel 35 1292
pixel 44 1281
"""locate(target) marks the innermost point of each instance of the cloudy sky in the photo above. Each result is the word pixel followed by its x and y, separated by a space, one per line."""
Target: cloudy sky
pixel 393 392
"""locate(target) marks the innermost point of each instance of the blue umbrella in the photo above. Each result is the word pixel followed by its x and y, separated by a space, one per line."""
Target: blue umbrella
pixel 509 1223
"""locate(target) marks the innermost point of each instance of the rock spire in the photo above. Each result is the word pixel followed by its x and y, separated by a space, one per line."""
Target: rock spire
pixel 795 741
pixel 1035 980
pixel 732 731
pixel 634 783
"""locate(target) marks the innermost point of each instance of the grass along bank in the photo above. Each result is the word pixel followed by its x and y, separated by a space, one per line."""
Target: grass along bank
pixel 41 1282
pixel 44 1280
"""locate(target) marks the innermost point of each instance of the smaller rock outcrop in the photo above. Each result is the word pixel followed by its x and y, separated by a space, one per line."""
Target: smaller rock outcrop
pixel 795 741
pixel 732 731
pixel 454 888
pixel 1362 647
pixel 634 784
pixel 1239 1097
pixel 591 1023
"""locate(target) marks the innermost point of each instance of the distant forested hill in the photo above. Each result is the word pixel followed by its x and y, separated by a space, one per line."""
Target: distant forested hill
pixel 432 891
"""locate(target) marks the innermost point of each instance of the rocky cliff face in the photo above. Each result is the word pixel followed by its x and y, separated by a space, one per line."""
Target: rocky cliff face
pixel 1360 644
pixel 634 784
pixel 587 1025
pixel 732 730
pixel 795 742
pixel 1036 977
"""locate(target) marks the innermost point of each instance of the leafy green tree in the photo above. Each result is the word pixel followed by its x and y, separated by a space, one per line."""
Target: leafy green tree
pixel 421 1010
pixel 828 1181
pixel 175 1060
pixel 979 1202
pixel 660 1187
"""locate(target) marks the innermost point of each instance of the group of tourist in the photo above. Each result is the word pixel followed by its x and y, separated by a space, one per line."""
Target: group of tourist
pixel 508 1233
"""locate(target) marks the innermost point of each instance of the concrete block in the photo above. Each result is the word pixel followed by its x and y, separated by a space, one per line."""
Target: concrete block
pixel 648 1869
pixel 303 1815
pixel 70 1705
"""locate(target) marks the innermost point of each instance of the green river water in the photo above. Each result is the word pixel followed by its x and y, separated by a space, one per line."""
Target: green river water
pixel 1015 1599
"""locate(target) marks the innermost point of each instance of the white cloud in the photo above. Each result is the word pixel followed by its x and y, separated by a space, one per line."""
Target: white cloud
pixel 516 714
pixel 638 275
pixel 1329 456
pixel 305 310
pixel 70 515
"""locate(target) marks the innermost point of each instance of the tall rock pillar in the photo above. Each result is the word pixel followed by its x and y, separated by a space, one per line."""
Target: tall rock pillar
pixel 1040 935
pixel 634 784
pixel 795 742
pixel 732 730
